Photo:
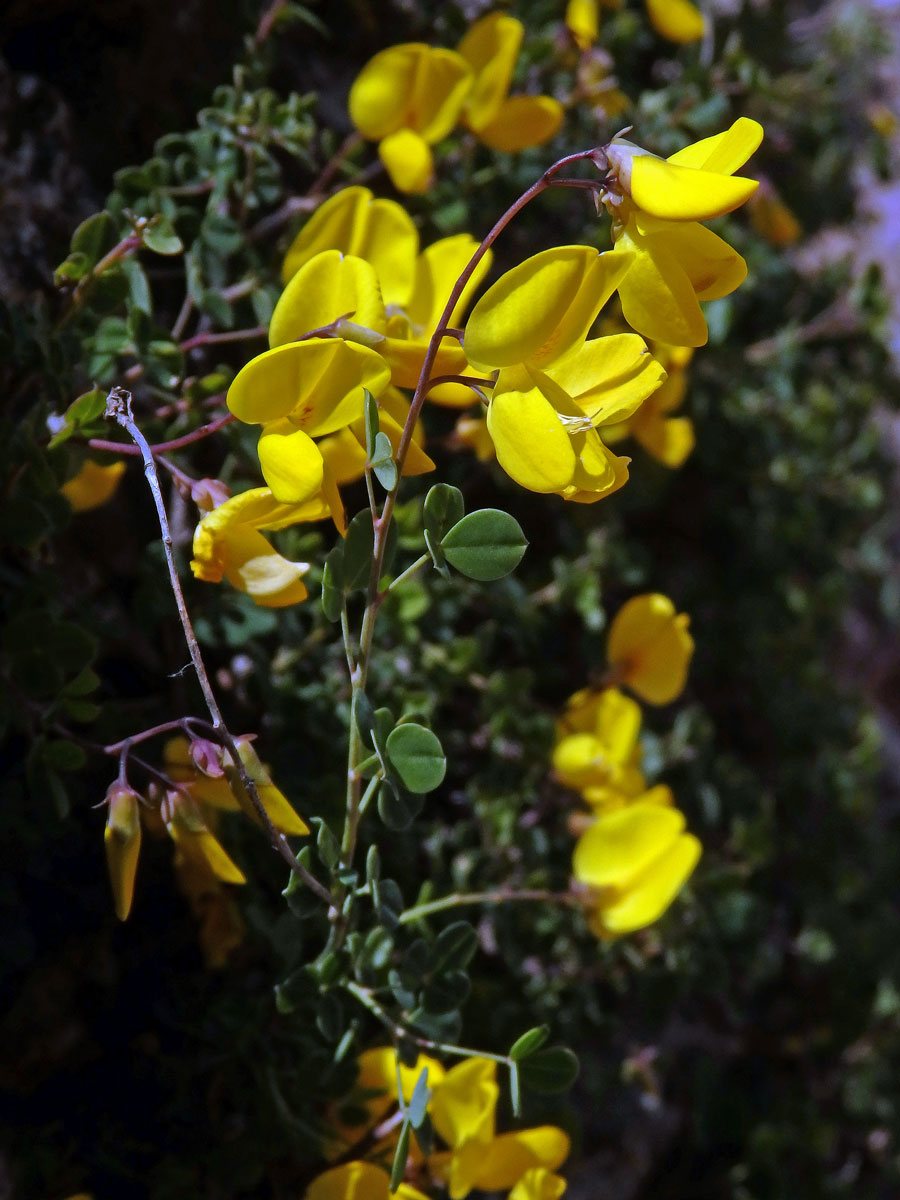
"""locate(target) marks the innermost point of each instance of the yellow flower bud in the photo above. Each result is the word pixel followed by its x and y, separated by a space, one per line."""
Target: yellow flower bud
pixel 122 841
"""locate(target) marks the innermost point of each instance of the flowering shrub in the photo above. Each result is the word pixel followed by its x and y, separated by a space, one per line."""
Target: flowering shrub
pixel 397 970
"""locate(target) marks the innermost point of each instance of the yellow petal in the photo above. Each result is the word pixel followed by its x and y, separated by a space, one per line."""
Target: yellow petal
pixel 510 1155
pixel 442 86
pixel 276 804
pixel 520 122
pixel 657 298
pixel 619 845
pixel 198 845
pixel 253 566
pixel 650 645
pixel 405 359
pixel 380 97
pixel 344 455
pixel 93 485
pixel 678 193
pixel 773 220
pixel 408 161
pixel 538 1184
pixel 582 22
pixel 438 268
pixel 318 384
pixel 650 895
pixel 670 439
pixel 723 152
pixel 609 377
pixel 291 462
pixel 532 444
pixel 354 222
pixel 462 1106
pixel 491 48
pixel 122 842
pixel 543 308
pixel 358 1181
pixel 677 20
pixel 327 287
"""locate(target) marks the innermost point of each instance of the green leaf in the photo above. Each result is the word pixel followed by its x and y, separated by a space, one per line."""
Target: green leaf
pixel 418 1101
pixel 364 716
pixel 398 1167
pixel 332 583
pixel 377 948
pixel 138 285
pixel 83 684
pixel 554 1069
pixel 358 549
pixel 453 948
pixel 447 993
pixel 382 462
pixel 372 422
pixel 64 756
pixel 94 237
pixel 326 843
pixel 485 545
pixel 330 1017
pixel 161 238
pixel 373 866
pixel 529 1043
pixel 416 755
pixel 391 902
pixel 444 508
pixel 74 267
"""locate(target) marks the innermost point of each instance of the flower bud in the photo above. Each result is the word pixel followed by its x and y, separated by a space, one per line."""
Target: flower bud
pixel 122 840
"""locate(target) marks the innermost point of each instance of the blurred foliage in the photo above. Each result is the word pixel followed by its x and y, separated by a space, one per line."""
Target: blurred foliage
pixel 745 1047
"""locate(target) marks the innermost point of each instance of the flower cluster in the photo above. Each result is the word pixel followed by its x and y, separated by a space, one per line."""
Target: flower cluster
pixel 461 1105
pixel 633 856
pixel 202 782
pixel 409 97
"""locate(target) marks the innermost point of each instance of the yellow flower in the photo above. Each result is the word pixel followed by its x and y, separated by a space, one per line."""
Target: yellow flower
pixel 649 647
pixel 505 123
pixel 221 928
pixel 358 1181
pixel 93 485
pixel 772 219
pixel 355 223
pixel 671 261
pixel 344 452
pixel 407 98
pixel 678 20
pixel 194 840
pixel 122 841
pixel 636 861
pixel 603 750
pixel 228 544
pixel 462 1109
pixel 582 21
pixel 473 432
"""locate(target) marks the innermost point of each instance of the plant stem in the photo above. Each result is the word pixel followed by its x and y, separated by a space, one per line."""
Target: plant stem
pixel 500 896
pixel 118 408
pixel 178 443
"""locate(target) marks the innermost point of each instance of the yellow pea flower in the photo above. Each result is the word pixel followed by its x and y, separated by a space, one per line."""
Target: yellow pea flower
pixel 358 1181
pixel 195 841
pixel 673 262
pixel 329 289
pixel 604 749
pixel 414 91
pixel 678 20
pixel 277 806
pixel 93 485
pixel 204 789
pixel 583 22
pixel 122 842
pixel 462 1109
pixel 473 432
pixel 636 861
pixel 228 544
pixel 650 648
pixel 504 123
pixel 354 222
pixel 772 219
pixel 538 1184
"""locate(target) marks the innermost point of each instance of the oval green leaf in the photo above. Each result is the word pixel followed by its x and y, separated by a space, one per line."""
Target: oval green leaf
pixel 552 1070
pixel 485 545
pixel 417 757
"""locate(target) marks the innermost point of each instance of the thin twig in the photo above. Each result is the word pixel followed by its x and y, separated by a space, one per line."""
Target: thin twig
pixel 118 408
pixel 158 448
